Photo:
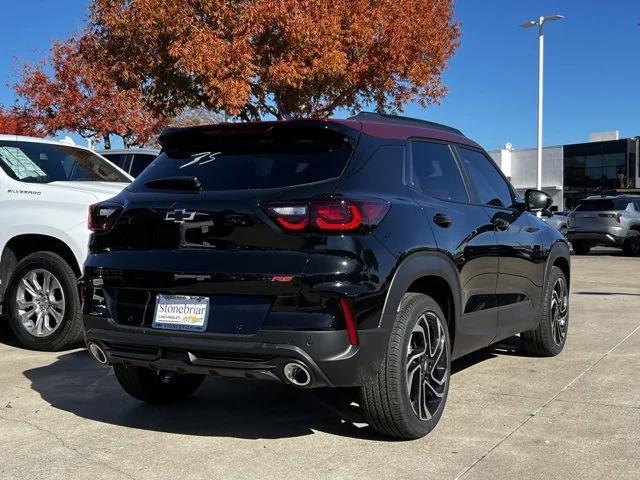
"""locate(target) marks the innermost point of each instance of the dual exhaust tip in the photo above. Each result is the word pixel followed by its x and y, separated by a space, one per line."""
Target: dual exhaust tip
pixel 97 352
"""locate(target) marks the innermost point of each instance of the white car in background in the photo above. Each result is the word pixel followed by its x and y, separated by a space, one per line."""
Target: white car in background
pixel 46 188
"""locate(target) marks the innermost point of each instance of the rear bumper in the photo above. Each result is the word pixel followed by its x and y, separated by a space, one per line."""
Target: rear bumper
pixel 327 354
pixel 611 239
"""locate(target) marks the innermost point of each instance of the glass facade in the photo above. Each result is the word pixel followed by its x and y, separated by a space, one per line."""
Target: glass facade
pixel 598 166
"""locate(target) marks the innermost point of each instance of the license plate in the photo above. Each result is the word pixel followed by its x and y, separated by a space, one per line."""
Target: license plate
pixel 177 312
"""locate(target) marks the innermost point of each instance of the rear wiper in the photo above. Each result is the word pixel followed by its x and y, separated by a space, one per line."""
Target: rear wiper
pixel 189 184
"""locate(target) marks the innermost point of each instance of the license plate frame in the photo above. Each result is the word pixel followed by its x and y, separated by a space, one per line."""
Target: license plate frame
pixel 181 321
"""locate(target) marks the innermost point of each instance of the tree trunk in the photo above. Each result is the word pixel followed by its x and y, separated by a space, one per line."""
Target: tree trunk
pixel 107 142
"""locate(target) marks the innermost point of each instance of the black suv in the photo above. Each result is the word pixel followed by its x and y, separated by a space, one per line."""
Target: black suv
pixel 366 252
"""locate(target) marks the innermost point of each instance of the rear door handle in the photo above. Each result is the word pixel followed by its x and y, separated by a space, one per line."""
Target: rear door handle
pixel 501 224
pixel 442 220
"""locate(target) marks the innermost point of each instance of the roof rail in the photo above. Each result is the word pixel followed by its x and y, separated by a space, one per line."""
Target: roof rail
pixel 383 117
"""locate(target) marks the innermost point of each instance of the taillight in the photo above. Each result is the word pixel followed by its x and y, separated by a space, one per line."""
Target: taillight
pixel 339 216
pixel 103 216
pixel 615 216
pixel 329 215
pixel 291 217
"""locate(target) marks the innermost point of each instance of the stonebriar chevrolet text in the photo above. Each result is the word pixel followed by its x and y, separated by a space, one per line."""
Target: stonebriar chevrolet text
pixel 367 253
pixel 46 188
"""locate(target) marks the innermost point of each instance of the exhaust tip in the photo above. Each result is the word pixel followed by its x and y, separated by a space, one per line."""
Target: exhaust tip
pixel 98 353
pixel 297 374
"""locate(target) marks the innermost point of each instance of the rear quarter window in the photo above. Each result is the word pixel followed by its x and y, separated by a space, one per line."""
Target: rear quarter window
pixel 435 171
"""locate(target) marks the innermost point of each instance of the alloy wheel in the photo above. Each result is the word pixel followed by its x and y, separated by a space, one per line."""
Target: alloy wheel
pixel 427 365
pixel 41 302
pixel 559 310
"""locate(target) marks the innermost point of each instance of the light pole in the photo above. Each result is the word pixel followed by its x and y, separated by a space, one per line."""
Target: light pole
pixel 539 22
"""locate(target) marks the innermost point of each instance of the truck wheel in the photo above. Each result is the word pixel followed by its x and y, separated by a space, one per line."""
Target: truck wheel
pixel 43 303
pixel 548 339
pixel 580 249
pixel 406 397
pixel 631 246
pixel 158 387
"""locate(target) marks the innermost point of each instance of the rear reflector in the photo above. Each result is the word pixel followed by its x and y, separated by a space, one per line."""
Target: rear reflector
pixel 282 278
pixel 349 320
pixel 82 291
pixel 329 215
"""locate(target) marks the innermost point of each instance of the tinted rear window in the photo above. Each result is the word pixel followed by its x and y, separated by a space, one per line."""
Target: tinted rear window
pixel 274 157
pixel 602 205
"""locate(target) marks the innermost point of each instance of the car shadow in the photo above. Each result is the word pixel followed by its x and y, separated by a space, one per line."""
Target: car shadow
pixel 599 294
pixel 222 407
pixel 6 335
pixel 601 252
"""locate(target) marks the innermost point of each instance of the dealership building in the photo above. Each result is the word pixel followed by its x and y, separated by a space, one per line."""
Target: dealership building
pixel 572 172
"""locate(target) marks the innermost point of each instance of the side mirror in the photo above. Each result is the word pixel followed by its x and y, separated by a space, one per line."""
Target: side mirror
pixel 537 201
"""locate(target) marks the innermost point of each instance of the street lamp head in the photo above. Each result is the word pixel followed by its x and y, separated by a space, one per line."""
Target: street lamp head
pixel 551 18
pixel 538 22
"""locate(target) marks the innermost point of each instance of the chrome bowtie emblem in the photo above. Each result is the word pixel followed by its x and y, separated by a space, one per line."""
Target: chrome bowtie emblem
pixel 180 216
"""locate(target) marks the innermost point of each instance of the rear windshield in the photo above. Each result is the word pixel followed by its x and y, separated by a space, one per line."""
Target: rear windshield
pixel 254 159
pixel 34 162
pixel 603 205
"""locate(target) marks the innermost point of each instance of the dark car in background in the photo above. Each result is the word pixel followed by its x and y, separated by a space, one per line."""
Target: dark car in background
pixel 606 220
pixel 131 160
pixel 367 252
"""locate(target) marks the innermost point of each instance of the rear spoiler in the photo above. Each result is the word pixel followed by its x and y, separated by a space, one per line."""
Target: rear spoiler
pixel 191 137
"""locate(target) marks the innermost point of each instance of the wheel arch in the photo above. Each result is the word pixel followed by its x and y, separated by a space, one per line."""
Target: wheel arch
pixel 559 257
pixel 431 273
pixel 19 246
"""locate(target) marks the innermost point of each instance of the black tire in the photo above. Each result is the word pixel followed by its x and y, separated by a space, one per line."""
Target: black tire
pixel 580 249
pixel 68 333
pixel 631 246
pixel 546 340
pixel 385 399
pixel 156 387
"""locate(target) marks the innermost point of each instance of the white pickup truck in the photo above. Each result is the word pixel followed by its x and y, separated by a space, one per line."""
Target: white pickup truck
pixel 46 188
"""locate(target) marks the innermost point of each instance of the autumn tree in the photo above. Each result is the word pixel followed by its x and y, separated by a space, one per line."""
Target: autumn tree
pixel 18 121
pixel 80 96
pixel 193 117
pixel 283 58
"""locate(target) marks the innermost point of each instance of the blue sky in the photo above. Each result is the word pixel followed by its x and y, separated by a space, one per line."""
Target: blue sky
pixel 592 72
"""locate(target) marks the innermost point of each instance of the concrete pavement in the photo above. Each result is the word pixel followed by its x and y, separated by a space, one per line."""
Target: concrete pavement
pixel 508 416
